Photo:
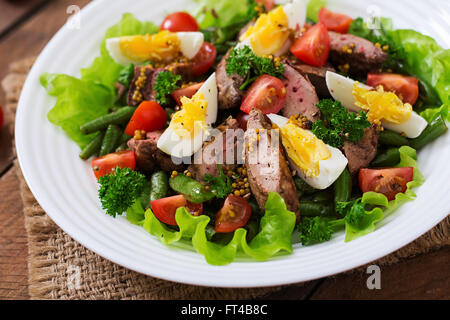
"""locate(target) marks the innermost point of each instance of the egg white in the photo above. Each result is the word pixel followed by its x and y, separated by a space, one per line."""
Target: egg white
pixel 341 89
pixel 181 147
pixel 190 44
pixel 296 14
pixel 329 169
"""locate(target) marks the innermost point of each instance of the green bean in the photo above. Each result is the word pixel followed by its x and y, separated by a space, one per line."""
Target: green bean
pixel 343 187
pixel 160 185
pixel 109 143
pixel 389 158
pixel 193 190
pixel 434 130
pixel 119 117
pixel 322 196
pixel 312 209
pixel 122 147
pixel 93 147
pixel 303 188
pixel 392 139
pixel 124 139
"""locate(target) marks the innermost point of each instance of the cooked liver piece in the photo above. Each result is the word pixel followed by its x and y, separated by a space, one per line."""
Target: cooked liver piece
pixel 316 75
pixel 148 156
pixel 230 96
pixel 268 171
pixel 207 158
pixel 360 154
pixel 301 97
pixel 184 69
pixel 363 57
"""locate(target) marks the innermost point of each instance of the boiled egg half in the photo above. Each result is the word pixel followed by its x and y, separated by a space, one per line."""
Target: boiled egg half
pixel 189 127
pixel 384 108
pixel 317 163
pixel 163 46
pixel 270 35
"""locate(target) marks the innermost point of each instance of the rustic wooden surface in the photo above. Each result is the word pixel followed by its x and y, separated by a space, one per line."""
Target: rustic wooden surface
pixel 25 28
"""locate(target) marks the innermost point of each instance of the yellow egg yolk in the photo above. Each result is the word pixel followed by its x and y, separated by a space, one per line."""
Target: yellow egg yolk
pixel 191 119
pixel 270 32
pixel 304 148
pixel 381 105
pixel 162 46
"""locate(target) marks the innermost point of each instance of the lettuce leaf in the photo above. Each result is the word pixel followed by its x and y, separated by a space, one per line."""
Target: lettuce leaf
pixel 77 102
pixel 274 235
pixel 408 158
pixel 313 8
pixel 222 13
pixel 91 96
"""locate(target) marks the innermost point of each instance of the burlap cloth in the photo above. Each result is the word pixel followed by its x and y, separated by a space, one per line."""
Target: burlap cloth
pixel 52 251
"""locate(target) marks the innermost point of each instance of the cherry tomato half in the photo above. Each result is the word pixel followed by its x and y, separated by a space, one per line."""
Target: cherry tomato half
pixel 106 164
pixel 407 88
pixel 149 116
pixel 313 47
pixel 179 22
pixel 234 214
pixel 389 181
pixel 267 93
pixel 204 59
pixel 335 21
pixel 166 208
pixel 186 92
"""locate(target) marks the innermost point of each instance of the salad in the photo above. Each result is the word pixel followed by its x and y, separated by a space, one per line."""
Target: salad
pixel 246 129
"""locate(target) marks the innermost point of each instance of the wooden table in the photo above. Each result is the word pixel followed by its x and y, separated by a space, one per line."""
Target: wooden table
pixel 25 28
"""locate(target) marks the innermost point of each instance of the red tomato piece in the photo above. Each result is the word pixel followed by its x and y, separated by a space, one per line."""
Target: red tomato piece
pixel 269 4
pixel 149 116
pixel 234 214
pixel 335 21
pixel 1 117
pixel 407 88
pixel 242 119
pixel 166 208
pixel 313 47
pixel 186 92
pixel 107 164
pixel 389 181
pixel 179 22
pixel 267 93
pixel 204 59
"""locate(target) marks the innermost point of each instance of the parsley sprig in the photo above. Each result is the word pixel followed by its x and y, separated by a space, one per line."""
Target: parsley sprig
pixel 338 125
pixel 165 84
pixel 320 229
pixel 221 185
pixel 244 62
pixel 119 191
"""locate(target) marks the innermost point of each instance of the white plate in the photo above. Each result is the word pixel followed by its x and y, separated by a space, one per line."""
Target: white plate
pixel 67 190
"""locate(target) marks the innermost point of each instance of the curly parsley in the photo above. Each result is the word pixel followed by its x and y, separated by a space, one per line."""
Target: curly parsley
pixel 165 84
pixel 317 229
pixel 119 191
pixel 220 185
pixel 337 124
pixel 244 62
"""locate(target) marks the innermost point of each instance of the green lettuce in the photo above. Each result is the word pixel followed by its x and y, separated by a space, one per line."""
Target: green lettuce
pixel 408 158
pixel 313 8
pixel 91 96
pixel 274 236
pixel 223 13
pixel 416 54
